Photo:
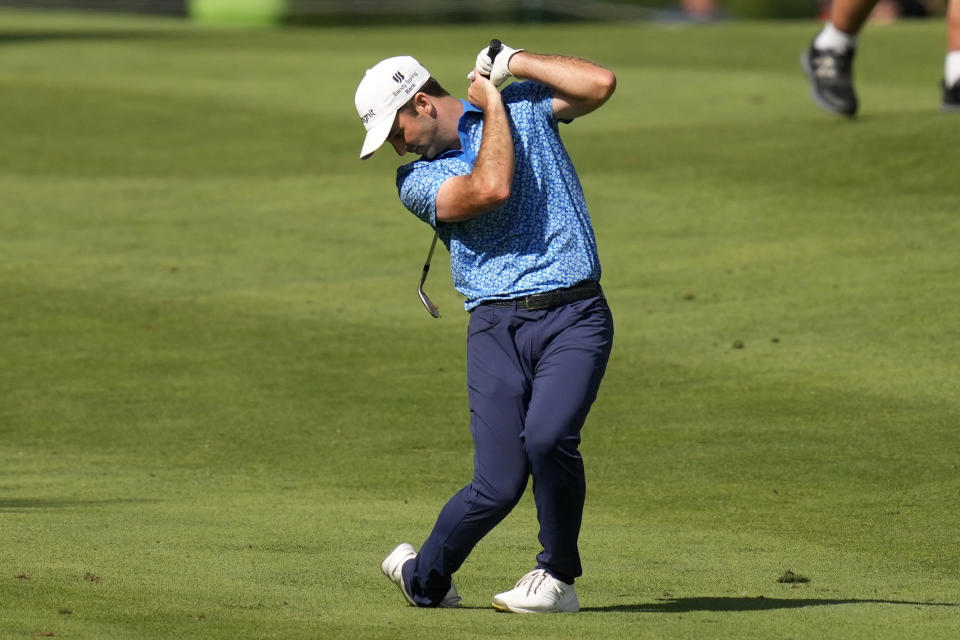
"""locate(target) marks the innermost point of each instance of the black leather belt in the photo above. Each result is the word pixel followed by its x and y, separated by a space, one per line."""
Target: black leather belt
pixel 548 299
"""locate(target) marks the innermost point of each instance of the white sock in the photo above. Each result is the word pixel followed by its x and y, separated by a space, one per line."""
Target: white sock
pixel 951 68
pixel 832 38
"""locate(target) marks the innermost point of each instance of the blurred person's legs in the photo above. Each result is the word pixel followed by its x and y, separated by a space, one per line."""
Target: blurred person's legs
pixel 951 66
pixel 849 16
pixel 828 62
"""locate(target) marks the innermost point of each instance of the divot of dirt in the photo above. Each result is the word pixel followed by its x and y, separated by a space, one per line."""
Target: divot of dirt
pixel 789 577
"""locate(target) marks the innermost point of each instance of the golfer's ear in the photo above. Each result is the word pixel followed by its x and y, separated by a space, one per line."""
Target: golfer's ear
pixel 424 104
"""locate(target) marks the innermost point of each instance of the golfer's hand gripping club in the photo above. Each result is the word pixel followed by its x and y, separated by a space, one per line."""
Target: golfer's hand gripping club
pixel 492 62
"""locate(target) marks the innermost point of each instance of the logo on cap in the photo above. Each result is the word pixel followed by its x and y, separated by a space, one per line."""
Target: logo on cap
pixel 398 77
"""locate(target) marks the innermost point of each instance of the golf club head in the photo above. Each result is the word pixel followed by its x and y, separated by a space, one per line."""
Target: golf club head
pixel 424 298
pixel 431 308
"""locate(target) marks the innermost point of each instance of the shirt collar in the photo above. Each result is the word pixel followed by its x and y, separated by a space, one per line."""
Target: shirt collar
pixel 468 110
pixel 462 125
pixel 469 107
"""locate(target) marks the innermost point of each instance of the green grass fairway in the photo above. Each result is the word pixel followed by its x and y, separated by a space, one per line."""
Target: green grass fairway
pixel 221 403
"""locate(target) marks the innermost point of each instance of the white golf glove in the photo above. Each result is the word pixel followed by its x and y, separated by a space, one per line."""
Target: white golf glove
pixel 497 69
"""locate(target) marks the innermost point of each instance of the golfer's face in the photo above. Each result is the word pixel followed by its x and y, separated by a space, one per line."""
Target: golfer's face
pixel 413 133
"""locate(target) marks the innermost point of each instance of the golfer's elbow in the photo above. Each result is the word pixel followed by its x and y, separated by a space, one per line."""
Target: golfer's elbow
pixel 605 83
pixel 491 184
pixel 594 91
pixel 495 195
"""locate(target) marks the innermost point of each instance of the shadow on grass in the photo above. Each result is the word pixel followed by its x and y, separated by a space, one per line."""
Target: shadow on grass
pixel 9 505
pixel 26 37
pixel 689 605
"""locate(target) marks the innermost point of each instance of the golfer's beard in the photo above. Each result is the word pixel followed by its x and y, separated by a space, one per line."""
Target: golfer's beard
pixel 432 152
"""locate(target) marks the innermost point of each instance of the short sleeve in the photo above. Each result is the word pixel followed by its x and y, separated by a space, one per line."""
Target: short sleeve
pixel 539 96
pixel 419 182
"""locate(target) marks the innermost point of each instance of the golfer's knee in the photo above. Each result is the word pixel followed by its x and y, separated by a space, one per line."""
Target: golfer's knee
pixel 502 496
pixel 549 446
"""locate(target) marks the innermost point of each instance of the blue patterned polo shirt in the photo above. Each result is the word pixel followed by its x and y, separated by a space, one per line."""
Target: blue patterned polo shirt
pixel 542 239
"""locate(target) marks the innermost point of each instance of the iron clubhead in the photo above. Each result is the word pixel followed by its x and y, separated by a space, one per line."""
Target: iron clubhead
pixel 432 309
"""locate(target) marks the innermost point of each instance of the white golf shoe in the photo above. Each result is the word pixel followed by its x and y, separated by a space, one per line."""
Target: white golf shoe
pixel 538 592
pixel 392 567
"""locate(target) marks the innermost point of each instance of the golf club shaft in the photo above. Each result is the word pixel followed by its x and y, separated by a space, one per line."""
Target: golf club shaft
pixel 426 265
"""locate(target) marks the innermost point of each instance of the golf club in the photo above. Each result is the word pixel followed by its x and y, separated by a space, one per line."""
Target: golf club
pixel 432 309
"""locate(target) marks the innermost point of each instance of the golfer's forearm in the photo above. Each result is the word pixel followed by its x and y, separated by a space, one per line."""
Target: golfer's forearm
pixel 494 167
pixel 488 185
pixel 579 81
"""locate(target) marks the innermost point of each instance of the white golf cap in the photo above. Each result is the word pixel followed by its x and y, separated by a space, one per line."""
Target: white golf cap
pixel 384 89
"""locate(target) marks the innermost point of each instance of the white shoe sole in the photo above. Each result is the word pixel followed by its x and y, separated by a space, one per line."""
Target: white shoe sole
pixel 506 609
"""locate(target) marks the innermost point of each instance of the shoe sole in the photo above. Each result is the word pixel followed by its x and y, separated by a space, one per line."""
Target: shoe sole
pixel 820 102
pixel 505 609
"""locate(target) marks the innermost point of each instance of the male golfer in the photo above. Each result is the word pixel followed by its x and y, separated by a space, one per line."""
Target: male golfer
pixel 496 183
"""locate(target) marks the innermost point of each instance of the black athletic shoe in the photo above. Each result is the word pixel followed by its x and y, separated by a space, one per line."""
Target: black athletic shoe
pixel 951 97
pixel 831 79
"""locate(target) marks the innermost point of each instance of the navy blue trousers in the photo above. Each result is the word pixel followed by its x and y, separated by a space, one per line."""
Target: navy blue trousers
pixel 531 376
